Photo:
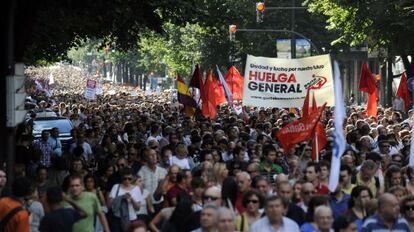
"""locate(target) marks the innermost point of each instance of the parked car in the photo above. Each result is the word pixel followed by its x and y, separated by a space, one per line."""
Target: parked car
pixel 47 123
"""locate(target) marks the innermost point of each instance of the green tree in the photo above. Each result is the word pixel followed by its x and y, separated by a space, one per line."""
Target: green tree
pixel 379 23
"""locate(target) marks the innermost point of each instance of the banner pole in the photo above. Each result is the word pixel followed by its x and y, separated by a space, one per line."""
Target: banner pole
pixel 316 148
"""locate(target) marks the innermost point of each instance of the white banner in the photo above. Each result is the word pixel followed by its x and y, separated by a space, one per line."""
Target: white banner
pixel 90 93
pixel 282 83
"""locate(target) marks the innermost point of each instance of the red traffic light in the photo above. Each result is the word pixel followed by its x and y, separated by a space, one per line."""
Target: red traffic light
pixel 260 6
pixel 232 28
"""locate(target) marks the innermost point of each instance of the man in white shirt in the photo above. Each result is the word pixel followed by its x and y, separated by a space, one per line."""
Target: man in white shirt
pixel 151 173
pixel 274 219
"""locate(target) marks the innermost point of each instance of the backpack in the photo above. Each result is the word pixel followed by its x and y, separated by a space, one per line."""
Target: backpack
pixel 8 217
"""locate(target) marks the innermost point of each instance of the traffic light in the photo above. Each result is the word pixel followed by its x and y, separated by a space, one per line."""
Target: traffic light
pixel 232 32
pixel 260 8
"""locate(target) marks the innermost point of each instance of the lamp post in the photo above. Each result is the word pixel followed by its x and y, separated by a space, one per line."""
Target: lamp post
pixel 260 8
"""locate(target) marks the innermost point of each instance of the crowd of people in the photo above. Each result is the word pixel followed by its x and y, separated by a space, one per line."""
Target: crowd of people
pixel 138 163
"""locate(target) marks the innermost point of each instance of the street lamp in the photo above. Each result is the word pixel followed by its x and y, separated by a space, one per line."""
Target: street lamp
pixel 260 8
pixel 232 32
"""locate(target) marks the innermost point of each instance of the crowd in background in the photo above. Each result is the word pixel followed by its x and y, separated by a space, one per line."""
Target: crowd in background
pixel 137 163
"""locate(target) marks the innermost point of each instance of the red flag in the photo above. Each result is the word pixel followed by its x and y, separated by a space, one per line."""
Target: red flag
pixel 314 105
pixel 372 109
pixel 218 89
pixel 209 102
pixel 299 130
pixel 305 107
pixel 319 141
pixel 235 82
pixel 197 80
pixel 367 84
pixel 403 92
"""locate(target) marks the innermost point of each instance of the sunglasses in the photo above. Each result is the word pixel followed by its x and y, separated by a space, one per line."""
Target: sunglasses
pixel 409 207
pixel 154 147
pixel 210 198
pixel 127 178
pixel 253 201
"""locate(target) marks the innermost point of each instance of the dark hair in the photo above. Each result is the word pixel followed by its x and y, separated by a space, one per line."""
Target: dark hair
pixel 75 177
pixel 276 198
pixel 314 202
pixel 180 176
pixel 250 193
pixel 182 210
pixel 268 148
pixel 41 167
pixel 388 175
pixel 356 191
pixel 315 165
pixel 125 171
pixel 89 176
pixel 404 201
pixel 197 182
pixel 54 195
pixel 324 163
pixel 256 179
pixel 342 222
pixel 229 190
pixel 345 167
pixel 21 187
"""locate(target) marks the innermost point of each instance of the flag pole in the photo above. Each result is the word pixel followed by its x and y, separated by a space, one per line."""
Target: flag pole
pixel 317 148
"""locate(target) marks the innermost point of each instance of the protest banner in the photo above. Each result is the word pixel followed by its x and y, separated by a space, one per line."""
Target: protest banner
pixel 282 83
pixel 90 93
pixel 299 130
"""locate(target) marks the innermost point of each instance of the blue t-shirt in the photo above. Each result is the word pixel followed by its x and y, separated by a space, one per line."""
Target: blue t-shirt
pixel 339 207
pixel 308 227
pixel 61 220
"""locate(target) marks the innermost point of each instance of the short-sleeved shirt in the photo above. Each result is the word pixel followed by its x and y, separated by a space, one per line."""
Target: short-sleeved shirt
pixel 89 202
pixel 20 221
pixel 151 178
pixel 173 193
pixel 275 169
pixel 339 207
pixel 61 220
pixel 135 194
pixel 375 224
pixel 263 224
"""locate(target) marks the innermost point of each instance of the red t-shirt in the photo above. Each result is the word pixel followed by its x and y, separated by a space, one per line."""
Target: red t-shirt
pixel 173 193
pixel 321 189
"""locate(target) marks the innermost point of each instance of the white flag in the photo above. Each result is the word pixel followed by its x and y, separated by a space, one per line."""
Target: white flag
pixel 339 139
pixel 411 162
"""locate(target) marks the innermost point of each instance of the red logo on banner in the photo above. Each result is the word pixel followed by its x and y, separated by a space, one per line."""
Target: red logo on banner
pixel 317 82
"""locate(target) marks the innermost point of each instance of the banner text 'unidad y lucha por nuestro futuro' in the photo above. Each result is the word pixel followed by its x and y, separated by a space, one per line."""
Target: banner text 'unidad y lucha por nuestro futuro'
pixel 282 83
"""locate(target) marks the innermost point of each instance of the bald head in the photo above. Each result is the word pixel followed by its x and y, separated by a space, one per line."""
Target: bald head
pixel 281 178
pixel 385 199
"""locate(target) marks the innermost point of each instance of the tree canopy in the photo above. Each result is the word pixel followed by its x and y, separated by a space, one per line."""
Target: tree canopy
pixel 379 23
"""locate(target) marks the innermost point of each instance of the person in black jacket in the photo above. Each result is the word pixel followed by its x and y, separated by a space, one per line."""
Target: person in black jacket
pixel 294 212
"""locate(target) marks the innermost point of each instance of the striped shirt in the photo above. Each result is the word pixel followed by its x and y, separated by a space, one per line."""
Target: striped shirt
pixel 375 224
